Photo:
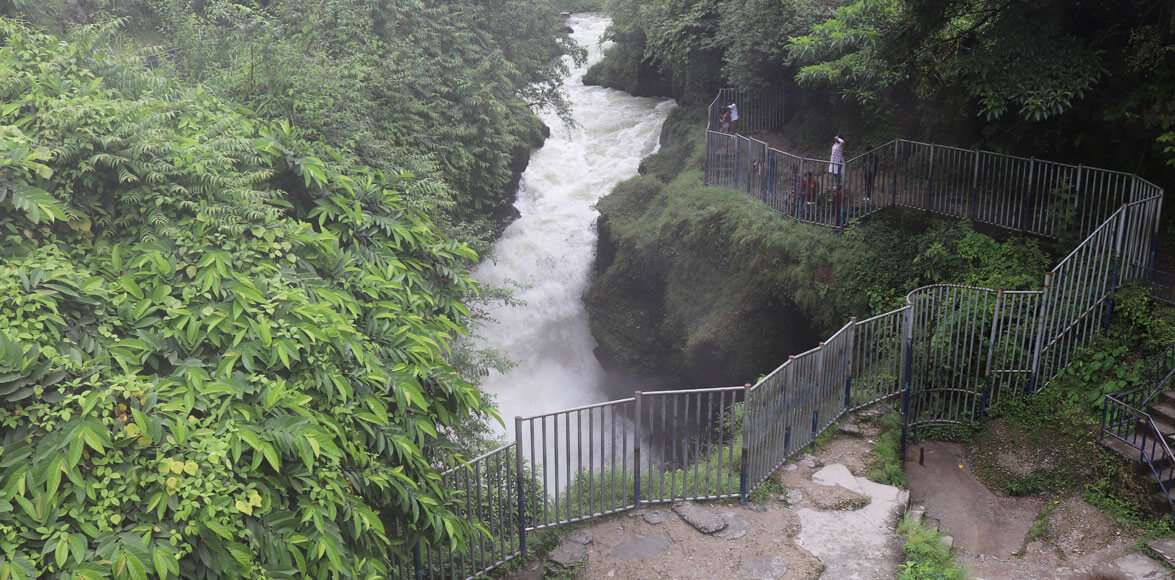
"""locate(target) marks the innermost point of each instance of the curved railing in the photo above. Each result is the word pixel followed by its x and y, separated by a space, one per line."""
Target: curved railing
pixel 950 352
pixel 1044 198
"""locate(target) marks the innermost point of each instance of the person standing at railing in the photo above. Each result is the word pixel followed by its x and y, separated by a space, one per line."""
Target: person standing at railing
pixel 836 164
pixel 724 121
pixel 733 108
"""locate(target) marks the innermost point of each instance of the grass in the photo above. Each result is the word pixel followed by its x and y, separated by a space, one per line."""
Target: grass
pixel 888 467
pixel 925 555
pixel 768 490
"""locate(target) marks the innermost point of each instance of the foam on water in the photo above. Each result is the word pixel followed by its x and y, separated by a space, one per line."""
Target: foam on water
pixel 549 249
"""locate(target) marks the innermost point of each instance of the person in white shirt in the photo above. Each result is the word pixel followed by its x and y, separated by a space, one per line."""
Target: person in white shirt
pixel 733 117
pixel 836 160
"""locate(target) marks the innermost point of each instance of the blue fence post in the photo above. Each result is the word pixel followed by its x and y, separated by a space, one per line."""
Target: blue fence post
pixel 636 452
pixel 1115 268
pixel 737 156
pixel 744 455
pixel 907 371
pixel 520 486
pixel 417 562
pixel 852 338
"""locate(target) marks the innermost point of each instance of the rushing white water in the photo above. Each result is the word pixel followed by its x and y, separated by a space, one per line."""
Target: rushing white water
pixel 548 251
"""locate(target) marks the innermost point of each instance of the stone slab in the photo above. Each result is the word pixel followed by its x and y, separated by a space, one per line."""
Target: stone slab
pixel 702 519
pixel 1164 548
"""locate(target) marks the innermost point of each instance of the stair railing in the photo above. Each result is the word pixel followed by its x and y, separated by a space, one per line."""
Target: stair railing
pixel 1156 454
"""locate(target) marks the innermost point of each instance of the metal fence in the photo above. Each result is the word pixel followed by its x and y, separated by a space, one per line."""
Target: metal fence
pixel 758 111
pixel 950 353
pixel 1046 198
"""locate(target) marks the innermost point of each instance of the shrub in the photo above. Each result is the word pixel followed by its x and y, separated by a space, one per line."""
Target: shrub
pixel 222 347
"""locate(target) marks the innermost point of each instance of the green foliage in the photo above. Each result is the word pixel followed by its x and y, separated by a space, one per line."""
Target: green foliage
pixel 226 355
pixel 443 90
pixel 926 556
pixel 844 51
pixel 22 167
pixel 903 250
pixel 888 466
pixel 1007 56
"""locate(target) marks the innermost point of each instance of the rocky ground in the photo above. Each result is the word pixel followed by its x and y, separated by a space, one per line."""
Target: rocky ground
pixel 996 536
pixel 828 522
pixel 825 520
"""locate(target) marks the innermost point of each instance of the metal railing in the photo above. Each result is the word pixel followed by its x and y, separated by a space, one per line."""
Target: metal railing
pixel 1040 197
pixel 950 353
pixel 1125 419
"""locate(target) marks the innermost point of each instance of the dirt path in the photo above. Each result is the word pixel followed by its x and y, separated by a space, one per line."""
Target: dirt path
pixel 1072 540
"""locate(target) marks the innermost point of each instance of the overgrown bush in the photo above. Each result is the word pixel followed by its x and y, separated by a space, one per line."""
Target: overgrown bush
pixel 222 345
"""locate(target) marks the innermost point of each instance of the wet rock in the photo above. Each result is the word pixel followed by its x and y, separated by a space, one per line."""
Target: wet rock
pixel 1165 549
pixel 655 517
pixel 702 519
pixel 1138 567
pixel 568 554
pixel 851 429
pixel 640 547
pixel 581 537
pixel 736 526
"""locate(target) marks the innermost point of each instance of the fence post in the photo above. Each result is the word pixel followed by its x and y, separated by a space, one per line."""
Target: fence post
pixel 893 197
pixel 709 148
pixel 907 371
pixel 852 338
pixel 417 562
pixel 1115 267
pixel 520 483
pixel 985 397
pixel 973 209
pixel 737 153
pixel 1041 322
pixel 1030 198
pixel 636 453
pixel 744 455
pixel 929 182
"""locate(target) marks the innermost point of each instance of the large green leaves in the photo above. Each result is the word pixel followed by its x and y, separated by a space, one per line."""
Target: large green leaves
pixel 230 361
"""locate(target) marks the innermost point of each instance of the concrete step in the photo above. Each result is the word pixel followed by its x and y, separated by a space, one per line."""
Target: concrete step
pixel 1120 447
pixel 931 524
pixel 1166 396
pixel 1166 426
pixel 1164 411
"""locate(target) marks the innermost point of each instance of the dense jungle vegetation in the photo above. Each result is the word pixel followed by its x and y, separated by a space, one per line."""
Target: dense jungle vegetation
pixel 1083 83
pixel 235 242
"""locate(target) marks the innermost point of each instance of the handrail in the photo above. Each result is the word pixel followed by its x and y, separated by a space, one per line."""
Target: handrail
pixel 1162 475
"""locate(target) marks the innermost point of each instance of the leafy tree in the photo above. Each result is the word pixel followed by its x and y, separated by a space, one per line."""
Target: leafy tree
pixel 222 342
